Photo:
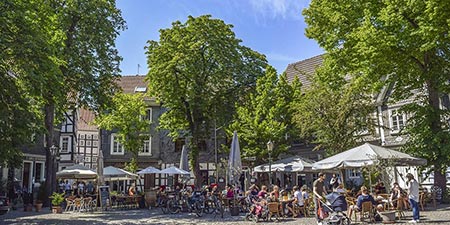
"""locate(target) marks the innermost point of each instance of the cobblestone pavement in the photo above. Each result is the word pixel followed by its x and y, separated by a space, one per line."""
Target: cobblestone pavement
pixel 441 215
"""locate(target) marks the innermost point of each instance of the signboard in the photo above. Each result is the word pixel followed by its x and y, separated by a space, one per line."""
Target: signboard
pixel 104 197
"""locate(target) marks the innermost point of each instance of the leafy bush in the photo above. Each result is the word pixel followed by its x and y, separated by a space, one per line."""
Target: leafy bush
pixel 57 199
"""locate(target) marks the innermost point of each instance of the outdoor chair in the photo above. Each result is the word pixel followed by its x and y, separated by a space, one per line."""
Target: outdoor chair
pixel 299 210
pixel 400 207
pixel 70 204
pixel 366 211
pixel 422 200
pixel 274 210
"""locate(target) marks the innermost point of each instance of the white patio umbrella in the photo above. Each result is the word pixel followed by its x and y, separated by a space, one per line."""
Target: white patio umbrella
pixel 234 161
pixel 174 170
pixel 117 174
pixel 291 164
pixel 366 155
pixel 77 171
pixel 149 170
pixel 184 163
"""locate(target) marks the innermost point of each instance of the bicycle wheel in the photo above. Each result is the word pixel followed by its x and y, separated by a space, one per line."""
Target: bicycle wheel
pixel 164 206
pixel 209 207
pixel 198 209
pixel 219 208
pixel 173 206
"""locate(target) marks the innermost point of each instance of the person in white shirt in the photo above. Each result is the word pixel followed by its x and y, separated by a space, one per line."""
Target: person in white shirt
pixel 298 195
pixel 413 195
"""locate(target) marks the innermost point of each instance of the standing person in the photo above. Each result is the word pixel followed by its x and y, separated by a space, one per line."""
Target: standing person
pixel 334 182
pixel 68 188
pixel 413 195
pixel 318 193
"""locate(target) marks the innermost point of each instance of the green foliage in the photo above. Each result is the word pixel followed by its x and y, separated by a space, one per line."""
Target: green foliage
pixel 266 116
pixel 334 111
pixel 126 117
pixel 23 51
pixel 131 166
pixel 199 70
pixel 407 40
pixel 57 198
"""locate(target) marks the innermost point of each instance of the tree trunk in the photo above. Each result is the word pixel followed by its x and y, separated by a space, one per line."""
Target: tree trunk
pixel 436 128
pixel 10 184
pixel 50 173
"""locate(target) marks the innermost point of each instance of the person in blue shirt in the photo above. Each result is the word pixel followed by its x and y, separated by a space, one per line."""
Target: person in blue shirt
pixel 364 197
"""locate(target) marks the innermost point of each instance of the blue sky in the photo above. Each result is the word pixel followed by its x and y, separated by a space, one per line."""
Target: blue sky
pixel 274 28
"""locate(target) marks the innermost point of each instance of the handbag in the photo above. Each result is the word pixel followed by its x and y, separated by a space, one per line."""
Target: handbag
pixel 322 214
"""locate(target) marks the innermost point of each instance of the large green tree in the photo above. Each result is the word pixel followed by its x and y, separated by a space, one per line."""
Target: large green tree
pixel 127 117
pixel 61 56
pixel 198 70
pixel 23 53
pixel 408 40
pixel 334 112
pixel 266 115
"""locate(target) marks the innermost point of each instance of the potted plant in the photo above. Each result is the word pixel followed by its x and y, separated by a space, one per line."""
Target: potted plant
pixel 57 200
pixel 27 202
pixel 40 198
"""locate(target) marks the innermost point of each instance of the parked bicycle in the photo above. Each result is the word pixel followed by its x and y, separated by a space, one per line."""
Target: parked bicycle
pixel 213 204
pixel 184 202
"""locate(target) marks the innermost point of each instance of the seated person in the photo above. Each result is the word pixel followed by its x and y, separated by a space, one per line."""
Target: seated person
pixel 299 199
pixel 263 192
pixel 340 189
pixel 230 192
pixel 364 197
pixel 380 188
pixel 132 190
pixel 305 192
pixel 254 190
pixel 396 194
pixel 275 194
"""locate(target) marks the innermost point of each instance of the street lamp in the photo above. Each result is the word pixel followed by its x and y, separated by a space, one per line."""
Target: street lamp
pixel 55 158
pixel 269 149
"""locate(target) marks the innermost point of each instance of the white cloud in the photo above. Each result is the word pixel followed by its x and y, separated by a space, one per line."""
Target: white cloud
pixel 286 9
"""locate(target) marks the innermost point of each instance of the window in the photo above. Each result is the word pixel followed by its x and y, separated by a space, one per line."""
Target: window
pixel 148 114
pixel 396 120
pixel 355 173
pixel 140 89
pixel 81 143
pixel 88 143
pixel 95 136
pixel 87 159
pixel 65 144
pixel 94 143
pixel 147 147
pixel 82 136
pixel 116 147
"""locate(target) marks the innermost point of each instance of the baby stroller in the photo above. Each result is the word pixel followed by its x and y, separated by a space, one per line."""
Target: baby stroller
pixel 335 206
pixel 258 210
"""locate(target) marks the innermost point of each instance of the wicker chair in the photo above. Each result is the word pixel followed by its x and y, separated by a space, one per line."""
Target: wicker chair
pixel 274 210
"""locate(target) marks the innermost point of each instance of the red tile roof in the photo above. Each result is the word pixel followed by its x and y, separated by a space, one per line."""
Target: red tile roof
pixel 303 69
pixel 129 83
pixel 85 120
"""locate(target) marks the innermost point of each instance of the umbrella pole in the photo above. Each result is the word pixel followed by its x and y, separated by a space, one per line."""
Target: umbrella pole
pixel 370 179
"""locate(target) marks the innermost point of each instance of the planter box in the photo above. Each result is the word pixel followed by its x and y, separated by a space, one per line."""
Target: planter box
pixel 56 209
pixel 388 216
pixel 234 211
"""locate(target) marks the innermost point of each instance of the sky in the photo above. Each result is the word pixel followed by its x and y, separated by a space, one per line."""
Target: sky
pixel 274 28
